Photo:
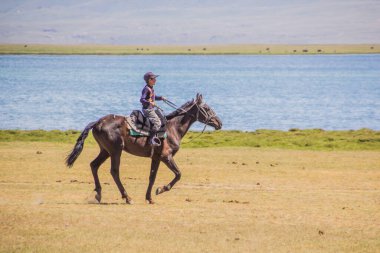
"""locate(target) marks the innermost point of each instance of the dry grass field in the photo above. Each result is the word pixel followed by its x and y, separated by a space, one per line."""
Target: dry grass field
pixel 228 200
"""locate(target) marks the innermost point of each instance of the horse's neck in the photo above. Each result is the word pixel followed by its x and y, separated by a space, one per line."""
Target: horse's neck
pixel 182 124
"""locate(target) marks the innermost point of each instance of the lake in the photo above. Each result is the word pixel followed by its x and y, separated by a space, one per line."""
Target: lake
pixel 332 92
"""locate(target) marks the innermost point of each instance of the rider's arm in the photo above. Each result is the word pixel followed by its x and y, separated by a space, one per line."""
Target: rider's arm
pixel 145 94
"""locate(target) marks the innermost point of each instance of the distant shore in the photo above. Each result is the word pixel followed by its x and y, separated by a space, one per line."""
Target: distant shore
pixel 246 49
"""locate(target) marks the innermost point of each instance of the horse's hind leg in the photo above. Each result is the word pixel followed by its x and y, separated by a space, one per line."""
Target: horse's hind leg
pixel 115 165
pixel 95 164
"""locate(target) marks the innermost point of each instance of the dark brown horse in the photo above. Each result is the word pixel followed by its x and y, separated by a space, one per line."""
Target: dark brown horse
pixel 112 134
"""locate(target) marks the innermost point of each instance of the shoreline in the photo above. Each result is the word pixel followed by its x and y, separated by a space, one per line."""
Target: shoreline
pixel 233 49
pixel 293 139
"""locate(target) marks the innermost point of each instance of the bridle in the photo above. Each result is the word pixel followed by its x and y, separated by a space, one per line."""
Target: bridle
pixel 207 115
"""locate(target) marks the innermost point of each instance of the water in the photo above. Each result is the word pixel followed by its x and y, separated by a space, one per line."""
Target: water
pixel 333 92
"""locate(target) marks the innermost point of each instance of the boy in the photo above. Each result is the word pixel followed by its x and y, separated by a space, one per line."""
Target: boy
pixel 147 100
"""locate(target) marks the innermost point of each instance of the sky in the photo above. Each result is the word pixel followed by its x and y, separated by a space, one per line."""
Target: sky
pixel 179 22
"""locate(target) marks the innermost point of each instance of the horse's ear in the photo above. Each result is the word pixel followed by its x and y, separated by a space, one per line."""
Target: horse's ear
pixel 199 98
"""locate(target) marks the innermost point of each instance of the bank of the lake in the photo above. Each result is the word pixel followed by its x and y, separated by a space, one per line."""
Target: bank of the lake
pixel 308 139
pixel 259 49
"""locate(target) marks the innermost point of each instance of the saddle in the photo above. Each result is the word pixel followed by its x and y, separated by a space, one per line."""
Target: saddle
pixel 141 125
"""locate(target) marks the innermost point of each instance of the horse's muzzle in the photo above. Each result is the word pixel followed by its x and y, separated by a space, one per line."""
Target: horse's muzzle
pixel 216 123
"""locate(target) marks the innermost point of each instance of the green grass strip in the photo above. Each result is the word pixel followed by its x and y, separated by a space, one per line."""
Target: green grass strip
pixel 309 139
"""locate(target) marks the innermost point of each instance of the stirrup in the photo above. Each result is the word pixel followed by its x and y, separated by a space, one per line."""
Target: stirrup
pixel 155 141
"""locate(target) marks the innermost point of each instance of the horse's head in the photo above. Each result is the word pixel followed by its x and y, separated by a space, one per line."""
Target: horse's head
pixel 205 114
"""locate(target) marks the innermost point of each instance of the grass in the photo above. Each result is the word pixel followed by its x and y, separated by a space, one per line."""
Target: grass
pixel 259 49
pixel 310 139
pixel 230 199
pixel 68 136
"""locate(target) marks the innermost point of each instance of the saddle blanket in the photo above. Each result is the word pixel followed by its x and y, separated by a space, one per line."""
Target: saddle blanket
pixel 135 133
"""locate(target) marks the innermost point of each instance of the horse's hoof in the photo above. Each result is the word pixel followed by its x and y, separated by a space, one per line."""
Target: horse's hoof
pixel 93 201
pixel 159 190
pixel 98 198
pixel 150 201
pixel 94 198
pixel 129 201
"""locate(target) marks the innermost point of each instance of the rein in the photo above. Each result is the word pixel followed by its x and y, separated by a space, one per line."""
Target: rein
pixel 171 104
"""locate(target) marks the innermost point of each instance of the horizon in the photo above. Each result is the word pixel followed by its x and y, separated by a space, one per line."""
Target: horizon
pixel 181 23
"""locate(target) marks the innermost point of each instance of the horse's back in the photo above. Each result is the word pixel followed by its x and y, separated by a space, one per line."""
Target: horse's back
pixel 111 121
pixel 110 127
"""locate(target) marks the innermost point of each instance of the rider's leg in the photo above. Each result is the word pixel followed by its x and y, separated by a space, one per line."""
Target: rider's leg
pixel 153 117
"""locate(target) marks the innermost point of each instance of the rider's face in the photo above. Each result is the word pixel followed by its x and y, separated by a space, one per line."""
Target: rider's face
pixel 152 81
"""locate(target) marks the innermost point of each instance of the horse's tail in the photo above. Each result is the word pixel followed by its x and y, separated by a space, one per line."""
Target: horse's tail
pixel 70 159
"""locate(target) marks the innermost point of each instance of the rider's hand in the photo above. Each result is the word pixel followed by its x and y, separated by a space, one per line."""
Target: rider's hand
pixel 152 103
pixel 164 98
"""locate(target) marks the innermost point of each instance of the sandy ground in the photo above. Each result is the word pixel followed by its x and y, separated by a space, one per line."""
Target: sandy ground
pixel 228 200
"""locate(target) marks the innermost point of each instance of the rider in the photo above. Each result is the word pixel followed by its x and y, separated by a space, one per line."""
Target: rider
pixel 147 100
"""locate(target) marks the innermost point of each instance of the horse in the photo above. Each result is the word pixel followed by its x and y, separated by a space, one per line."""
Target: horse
pixel 112 134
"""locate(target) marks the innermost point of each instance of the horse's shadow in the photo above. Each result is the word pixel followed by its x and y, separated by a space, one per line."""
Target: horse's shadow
pixel 91 203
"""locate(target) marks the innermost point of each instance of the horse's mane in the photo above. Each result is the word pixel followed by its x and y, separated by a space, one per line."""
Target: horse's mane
pixel 181 109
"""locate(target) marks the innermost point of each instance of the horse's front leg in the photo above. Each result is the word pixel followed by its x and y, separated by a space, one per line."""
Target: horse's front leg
pixel 152 177
pixel 173 167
